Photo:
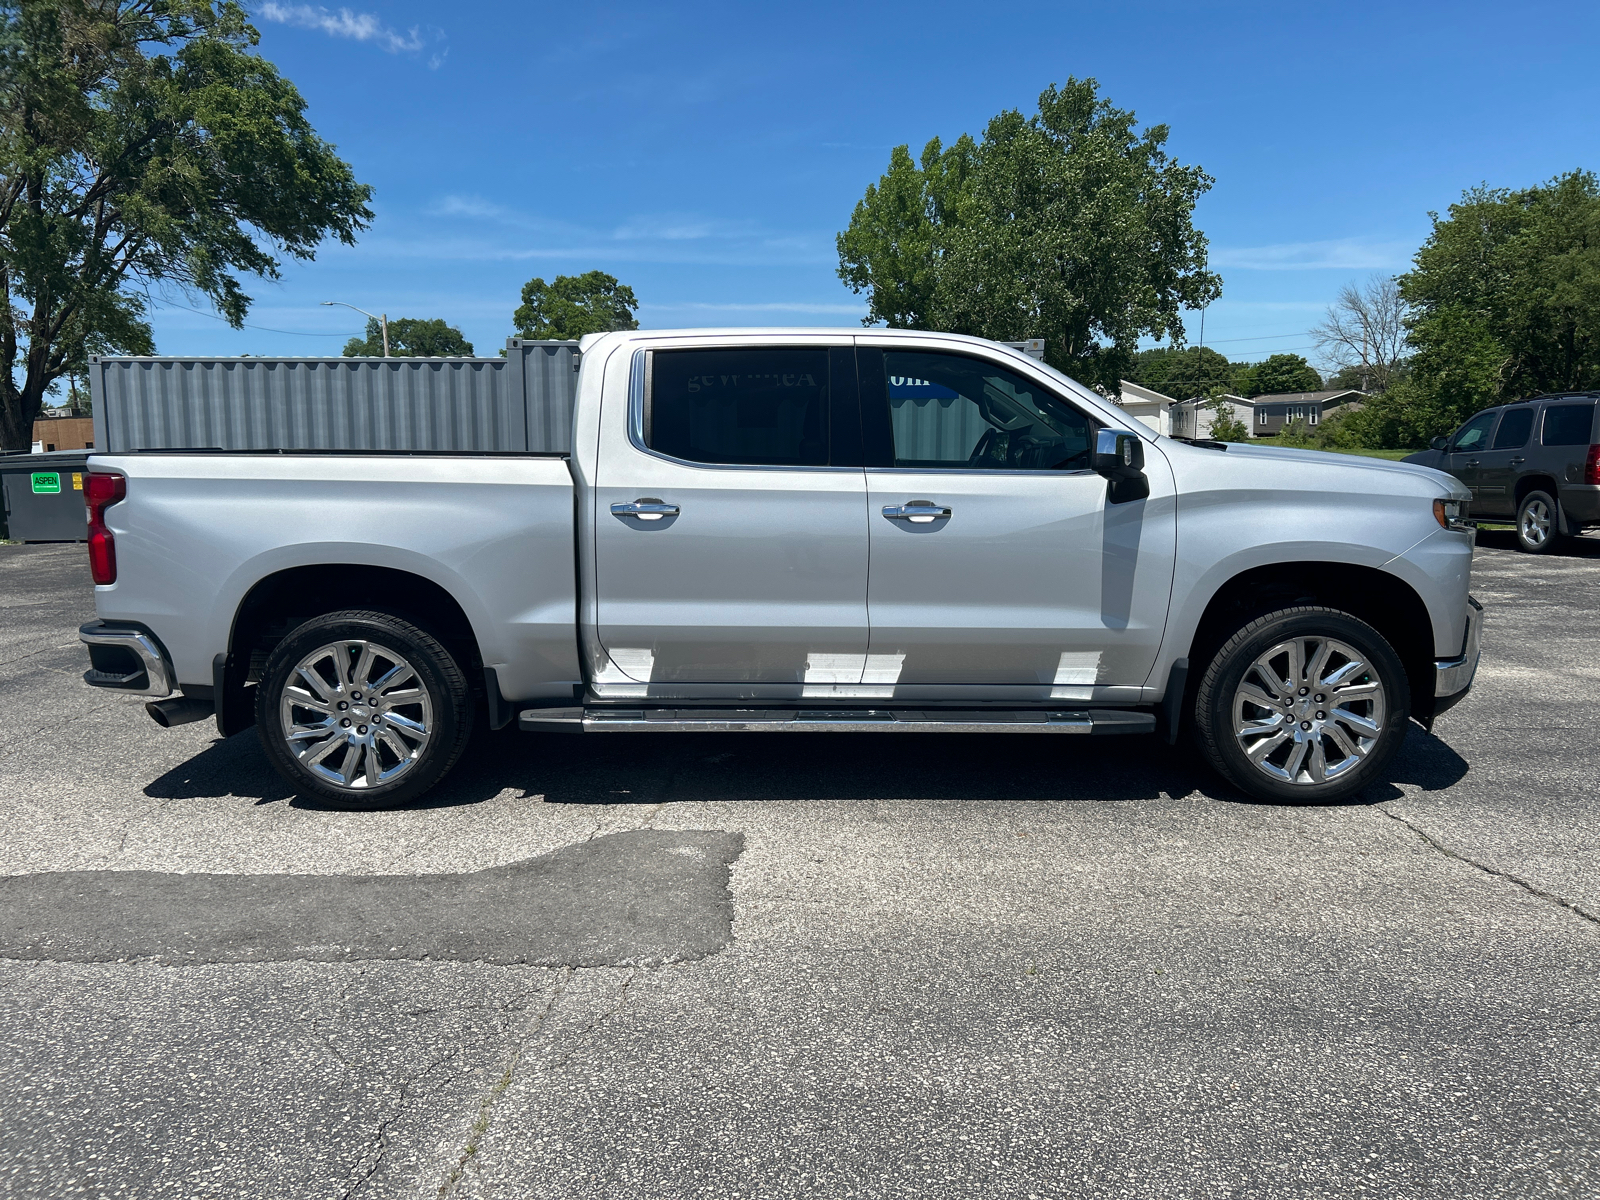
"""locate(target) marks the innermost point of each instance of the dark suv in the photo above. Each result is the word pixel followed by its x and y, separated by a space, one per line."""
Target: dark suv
pixel 1535 462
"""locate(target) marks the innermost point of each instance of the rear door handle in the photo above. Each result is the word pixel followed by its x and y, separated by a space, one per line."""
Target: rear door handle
pixel 918 511
pixel 1516 460
pixel 646 509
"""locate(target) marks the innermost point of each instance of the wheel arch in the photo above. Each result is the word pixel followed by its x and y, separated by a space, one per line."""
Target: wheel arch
pixel 1535 483
pixel 1385 601
pixel 277 603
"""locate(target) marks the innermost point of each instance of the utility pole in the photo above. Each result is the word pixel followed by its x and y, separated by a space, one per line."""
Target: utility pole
pixel 382 319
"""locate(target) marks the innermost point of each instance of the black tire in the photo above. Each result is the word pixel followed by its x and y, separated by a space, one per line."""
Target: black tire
pixel 1220 691
pixel 442 708
pixel 1538 523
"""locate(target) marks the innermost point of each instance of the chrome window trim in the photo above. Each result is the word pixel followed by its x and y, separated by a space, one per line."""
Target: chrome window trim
pixel 639 393
pixel 976 471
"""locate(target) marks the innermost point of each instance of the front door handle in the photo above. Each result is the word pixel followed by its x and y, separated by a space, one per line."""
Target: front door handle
pixel 1516 460
pixel 1471 462
pixel 646 509
pixel 918 511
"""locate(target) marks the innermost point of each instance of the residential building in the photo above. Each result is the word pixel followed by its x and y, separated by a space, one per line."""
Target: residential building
pixel 1150 407
pixel 1273 412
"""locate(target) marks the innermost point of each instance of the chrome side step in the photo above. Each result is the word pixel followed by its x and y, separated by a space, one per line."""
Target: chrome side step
pixel 765 720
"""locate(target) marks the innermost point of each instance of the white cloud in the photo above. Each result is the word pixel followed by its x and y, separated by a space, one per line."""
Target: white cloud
pixel 345 23
pixel 1342 254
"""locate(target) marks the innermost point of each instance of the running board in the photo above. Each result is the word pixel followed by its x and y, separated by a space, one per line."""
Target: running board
pixel 765 720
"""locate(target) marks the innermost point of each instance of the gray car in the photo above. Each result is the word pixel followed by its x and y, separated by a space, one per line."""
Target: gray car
pixel 1535 462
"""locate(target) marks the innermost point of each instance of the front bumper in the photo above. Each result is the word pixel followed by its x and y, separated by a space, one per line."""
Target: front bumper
pixel 127 658
pixel 1453 676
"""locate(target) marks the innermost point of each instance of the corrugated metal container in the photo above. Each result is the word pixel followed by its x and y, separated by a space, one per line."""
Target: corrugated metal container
pixel 519 403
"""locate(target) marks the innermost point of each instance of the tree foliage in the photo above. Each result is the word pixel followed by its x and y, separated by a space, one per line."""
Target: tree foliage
pixel 1070 224
pixel 573 305
pixel 410 337
pixel 1185 372
pixel 1275 374
pixel 1505 303
pixel 143 144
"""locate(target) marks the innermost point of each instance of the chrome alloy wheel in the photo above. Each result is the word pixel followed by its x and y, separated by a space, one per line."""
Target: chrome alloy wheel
pixel 1308 710
pixel 355 714
pixel 1536 522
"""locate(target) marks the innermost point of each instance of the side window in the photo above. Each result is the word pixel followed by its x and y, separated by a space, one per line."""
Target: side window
pixel 1474 435
pixel 757 407
pixel 1568 424
pixel 1514 429
pixel 951 411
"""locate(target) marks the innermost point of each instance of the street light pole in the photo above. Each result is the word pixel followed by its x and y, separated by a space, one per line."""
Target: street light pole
pixel 382 319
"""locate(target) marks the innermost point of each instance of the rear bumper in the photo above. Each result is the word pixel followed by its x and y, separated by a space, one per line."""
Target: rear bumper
pixel 1453 676
pixel 126 657
pixel 1581 502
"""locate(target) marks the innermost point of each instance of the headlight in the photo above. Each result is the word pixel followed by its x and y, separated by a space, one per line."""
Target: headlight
pixel 1452 514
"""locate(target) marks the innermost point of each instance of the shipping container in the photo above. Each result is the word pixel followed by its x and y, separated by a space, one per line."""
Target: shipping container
pixel 516 404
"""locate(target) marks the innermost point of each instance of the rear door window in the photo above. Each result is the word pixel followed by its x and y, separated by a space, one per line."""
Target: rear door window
pixel 1568 424
pixel 1514 429
pixel 766 406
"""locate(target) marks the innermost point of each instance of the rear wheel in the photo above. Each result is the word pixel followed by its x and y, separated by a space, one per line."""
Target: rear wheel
pixel 1303 705
pixel 362 709
pixel 1538 523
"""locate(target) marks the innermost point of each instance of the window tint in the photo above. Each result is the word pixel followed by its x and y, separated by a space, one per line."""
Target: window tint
pixel 762 407
pixel 1568 424
pixel 1475 433
pixel 1514 429
pixel 947 410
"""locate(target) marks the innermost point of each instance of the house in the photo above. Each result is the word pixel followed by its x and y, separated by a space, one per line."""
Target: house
pixel 1193 418
pixel 1145 405
pixel 1273 412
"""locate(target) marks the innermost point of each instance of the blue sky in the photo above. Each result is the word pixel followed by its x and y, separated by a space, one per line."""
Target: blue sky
pixel 707 154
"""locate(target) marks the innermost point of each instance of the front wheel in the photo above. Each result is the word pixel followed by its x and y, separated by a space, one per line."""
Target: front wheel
pixel 1538 523
pixel 1304 706
pixel 362 709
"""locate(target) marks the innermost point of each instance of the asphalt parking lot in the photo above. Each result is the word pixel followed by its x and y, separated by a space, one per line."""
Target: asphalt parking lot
pixel 754 966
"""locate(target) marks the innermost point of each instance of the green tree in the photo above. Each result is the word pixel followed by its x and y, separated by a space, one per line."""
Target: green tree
pixel 1183 372
pixel 572 305
pixel 1070 225
pixel 143 144
pixel 893 246
pixel 1279 373
pixel 411 337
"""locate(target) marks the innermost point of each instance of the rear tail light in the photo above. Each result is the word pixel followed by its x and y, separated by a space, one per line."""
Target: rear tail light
pixel 100 492
pixel 1591 466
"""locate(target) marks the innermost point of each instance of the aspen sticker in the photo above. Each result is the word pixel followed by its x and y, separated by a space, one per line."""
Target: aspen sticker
pixel 46 481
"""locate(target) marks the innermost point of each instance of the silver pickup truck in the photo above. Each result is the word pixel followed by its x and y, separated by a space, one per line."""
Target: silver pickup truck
pixel 791 531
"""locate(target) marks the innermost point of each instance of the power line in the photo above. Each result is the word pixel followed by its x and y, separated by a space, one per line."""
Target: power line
pixel 247 325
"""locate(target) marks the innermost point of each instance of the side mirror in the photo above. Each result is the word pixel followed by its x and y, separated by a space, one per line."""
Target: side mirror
pixel 1118 452
pixel 1440 443
pixel 1119 456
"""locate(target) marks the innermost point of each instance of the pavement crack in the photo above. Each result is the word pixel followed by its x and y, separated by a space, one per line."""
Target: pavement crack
pixel 480 1123
pixel 408 1087
pixel 1530 888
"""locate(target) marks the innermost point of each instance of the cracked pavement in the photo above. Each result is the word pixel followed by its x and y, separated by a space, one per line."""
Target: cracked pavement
pixel 954 967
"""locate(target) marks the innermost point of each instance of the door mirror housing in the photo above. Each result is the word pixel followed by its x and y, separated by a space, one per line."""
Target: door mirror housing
pixel 1119 456
pixel 1442 442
